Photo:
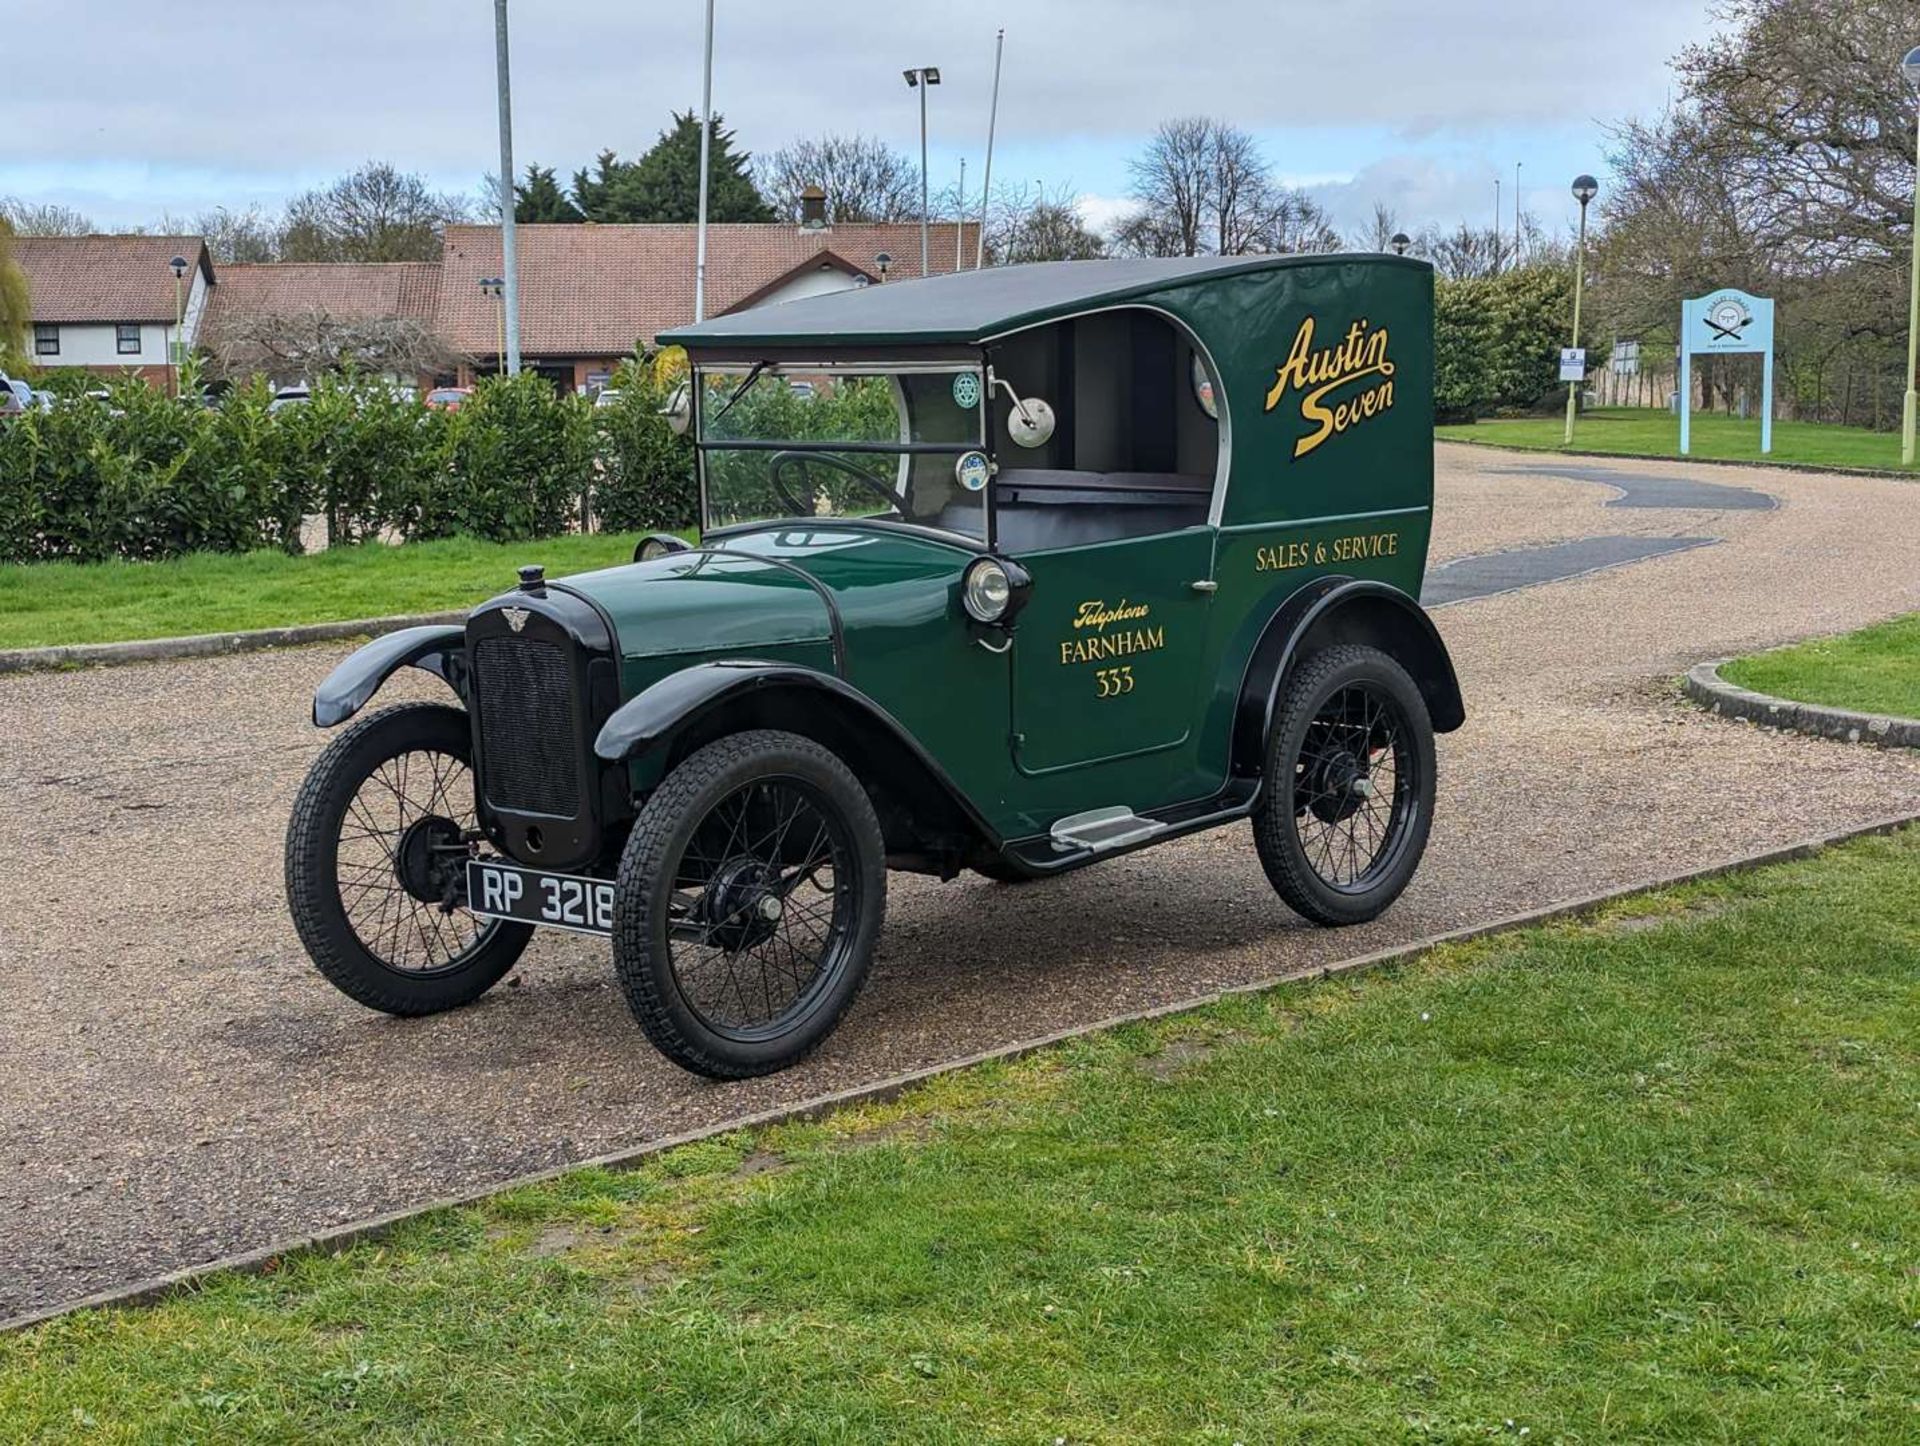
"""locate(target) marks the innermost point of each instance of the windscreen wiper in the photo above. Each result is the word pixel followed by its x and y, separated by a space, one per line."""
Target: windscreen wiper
pixel 740 391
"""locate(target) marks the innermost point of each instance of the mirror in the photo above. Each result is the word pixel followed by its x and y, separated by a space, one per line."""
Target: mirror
pixel 1030 423
pixel 679 409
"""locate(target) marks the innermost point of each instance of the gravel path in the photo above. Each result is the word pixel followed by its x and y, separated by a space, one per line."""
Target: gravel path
pixel 176 1083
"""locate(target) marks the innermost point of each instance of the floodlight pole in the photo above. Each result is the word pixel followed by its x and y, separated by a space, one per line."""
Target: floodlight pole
pixel 986 181
pixel 510 271
pixel 706 140
pixel 922 88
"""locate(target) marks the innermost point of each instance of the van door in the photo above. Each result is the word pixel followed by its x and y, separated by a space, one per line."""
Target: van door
pixel 1107 656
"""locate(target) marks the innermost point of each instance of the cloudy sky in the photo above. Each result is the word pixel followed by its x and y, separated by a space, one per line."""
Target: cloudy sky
pixel 127 108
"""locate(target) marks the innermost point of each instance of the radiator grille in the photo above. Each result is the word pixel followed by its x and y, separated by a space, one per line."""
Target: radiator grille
pixel 527 735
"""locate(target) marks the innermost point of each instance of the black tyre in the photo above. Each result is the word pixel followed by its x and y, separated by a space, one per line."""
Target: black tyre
pixel 1349 799
pixel 376 852
pixel 748 901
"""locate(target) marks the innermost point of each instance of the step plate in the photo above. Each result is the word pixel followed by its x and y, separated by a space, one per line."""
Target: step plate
pixel 1103 828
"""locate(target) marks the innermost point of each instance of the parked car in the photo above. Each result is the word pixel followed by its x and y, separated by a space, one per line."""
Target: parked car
pixel 1071 560
pixel 15 396
pixel 448 399
pixel 292 396
pixel 607 397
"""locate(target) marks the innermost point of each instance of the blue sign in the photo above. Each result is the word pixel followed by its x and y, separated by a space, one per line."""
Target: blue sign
pixel 1718 323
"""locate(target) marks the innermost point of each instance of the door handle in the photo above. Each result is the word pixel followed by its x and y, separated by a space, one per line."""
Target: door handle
pixel 1205 585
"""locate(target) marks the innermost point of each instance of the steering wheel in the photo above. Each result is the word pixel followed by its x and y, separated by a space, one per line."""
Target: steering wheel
pixel 783 460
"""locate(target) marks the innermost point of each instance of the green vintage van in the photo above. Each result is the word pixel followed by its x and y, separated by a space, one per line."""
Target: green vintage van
pixel 1009 571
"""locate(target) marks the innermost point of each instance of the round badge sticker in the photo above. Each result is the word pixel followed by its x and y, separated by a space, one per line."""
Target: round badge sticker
pixel 973 469
pixel 966 390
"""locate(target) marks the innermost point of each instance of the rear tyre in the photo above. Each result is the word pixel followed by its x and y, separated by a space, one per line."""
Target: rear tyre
pixel 1348 803
pixel 376 852
pixel 747 905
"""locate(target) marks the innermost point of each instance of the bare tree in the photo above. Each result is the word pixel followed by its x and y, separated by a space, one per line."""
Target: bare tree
pixel 289 347
pixel 1173 184
pixel 239 236
pixel 1378 233
pixel 43 218
pixel 1043 226
pixel 1202 187
pixel 377 213
pixel 864 179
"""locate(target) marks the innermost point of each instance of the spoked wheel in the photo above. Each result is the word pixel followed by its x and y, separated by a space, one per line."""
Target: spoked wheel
pixel 749 897
pixel 376 857
pixel 1349 801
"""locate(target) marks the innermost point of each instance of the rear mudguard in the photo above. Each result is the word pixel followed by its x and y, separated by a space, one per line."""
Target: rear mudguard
pixel 438 649
pixel 1333 610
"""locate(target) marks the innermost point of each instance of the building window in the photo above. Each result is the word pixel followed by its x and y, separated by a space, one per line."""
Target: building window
pixel 46 340
pixel 126 338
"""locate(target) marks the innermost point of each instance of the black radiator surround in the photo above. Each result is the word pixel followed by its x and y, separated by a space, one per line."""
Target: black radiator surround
pixel 562 774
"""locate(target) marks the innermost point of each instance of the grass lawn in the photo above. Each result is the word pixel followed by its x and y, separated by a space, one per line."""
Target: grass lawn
pixel 1642 432
pixel 1655 1176
pixel 1876 670
pixel 54 602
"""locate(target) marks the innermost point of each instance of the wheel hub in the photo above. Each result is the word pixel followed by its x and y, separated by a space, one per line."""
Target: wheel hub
pixel 428 859
pixel 1338 785
pixel 742 906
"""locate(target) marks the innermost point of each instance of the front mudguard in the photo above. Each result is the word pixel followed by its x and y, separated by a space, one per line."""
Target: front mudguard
pixel 438 649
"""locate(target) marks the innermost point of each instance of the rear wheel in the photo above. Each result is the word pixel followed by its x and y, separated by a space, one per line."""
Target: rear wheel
pixel 376 852
pixel 1350 780
pixel 747 905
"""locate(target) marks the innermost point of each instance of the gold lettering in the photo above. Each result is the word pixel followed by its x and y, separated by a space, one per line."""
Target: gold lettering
pixel 1361 353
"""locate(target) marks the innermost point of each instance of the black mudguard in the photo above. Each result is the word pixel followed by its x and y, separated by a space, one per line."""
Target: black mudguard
pixel 439 649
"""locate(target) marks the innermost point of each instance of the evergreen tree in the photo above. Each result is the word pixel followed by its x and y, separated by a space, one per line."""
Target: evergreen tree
pixel 541 198
pixel 664 184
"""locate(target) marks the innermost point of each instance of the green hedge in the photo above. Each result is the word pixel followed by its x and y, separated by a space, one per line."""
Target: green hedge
pixel 139 475
pixel 1497 340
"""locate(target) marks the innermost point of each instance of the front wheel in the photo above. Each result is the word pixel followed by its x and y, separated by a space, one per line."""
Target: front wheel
pixel 1350 780
pixel 376 853
pixel 747 905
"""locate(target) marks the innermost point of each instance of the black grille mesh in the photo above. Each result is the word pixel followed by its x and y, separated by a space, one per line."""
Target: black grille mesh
pixel 525 696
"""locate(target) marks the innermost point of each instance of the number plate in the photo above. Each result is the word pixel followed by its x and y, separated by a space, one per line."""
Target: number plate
pixel 498 890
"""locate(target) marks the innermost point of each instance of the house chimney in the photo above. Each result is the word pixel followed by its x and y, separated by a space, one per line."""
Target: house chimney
pixel 813 209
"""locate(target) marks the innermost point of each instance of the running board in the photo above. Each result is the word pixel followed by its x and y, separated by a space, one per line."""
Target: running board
pixel 1100 829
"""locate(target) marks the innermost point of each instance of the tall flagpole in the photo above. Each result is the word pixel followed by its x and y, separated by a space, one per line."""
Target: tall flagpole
pixel 986 180
pixel 509 270
pixel 960 216
pixel 706 140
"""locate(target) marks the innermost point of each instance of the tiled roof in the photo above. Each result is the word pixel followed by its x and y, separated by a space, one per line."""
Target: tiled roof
pixel 79 279
pixel 346 291
pixel 588 290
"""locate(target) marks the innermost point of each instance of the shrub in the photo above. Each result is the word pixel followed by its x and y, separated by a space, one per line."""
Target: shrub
pixel 645 472
pixel 520 461
pixel 1497 340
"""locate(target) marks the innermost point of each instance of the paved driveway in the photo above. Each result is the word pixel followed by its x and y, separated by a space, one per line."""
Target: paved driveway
pixel 176 1083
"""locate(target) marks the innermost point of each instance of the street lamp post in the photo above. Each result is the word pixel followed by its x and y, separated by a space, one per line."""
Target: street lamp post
pixel 1585 188
pixel 495 288
pixel 706 165
pixel 510 307
pixel 179 268
pixel 921 78
pixel 1910 68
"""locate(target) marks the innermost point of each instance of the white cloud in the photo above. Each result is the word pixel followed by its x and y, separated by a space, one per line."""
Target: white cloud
pixel 302 91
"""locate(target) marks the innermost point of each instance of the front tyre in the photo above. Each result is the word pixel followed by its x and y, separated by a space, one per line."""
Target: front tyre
pixel 1348 803
pixel 376 857
pixel 747 905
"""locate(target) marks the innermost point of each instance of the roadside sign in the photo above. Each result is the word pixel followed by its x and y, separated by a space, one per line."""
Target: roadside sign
pixel 1573 364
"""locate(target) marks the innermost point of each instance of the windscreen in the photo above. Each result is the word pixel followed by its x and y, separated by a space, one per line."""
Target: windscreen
pixel 901 444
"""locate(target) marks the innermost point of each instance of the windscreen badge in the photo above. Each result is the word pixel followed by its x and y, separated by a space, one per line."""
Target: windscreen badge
pixel 973 470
